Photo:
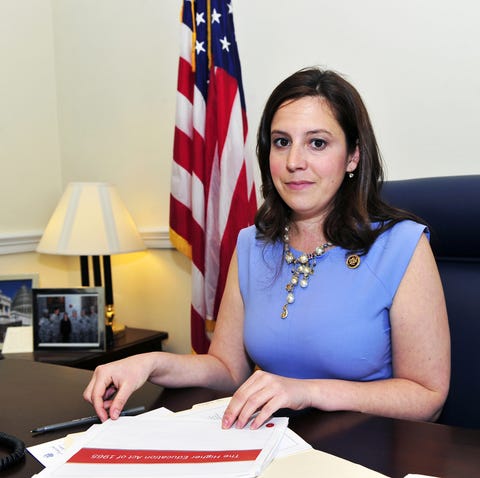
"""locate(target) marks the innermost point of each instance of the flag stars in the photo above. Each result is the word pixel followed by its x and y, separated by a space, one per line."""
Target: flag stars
pixel 225 43
pixel 199 47
pixel 200 18
pixel 215 16
pixel 230 9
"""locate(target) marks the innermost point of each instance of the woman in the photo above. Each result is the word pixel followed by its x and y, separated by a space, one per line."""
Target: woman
pixel 65 327
pixel 333 295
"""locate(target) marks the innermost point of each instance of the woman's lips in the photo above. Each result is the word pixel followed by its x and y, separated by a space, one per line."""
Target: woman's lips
pixel 298 185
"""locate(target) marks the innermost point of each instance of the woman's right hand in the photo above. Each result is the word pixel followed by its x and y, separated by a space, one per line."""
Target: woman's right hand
pixel 112 384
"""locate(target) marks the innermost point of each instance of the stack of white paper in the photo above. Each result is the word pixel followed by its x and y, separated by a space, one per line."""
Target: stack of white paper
pixel 170 446
pixel 293 456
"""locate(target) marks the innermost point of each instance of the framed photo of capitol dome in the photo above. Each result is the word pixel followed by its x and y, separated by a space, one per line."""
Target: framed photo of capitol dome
pixel 16 301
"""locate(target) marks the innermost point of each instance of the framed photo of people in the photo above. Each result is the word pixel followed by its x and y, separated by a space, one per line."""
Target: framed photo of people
pixel 70 318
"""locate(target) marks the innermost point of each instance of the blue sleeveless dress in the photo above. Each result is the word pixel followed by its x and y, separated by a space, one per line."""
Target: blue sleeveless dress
pixel 338 326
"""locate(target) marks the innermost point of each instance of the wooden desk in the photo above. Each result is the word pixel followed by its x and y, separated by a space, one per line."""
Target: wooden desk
pixel 34 394
pixel 132 341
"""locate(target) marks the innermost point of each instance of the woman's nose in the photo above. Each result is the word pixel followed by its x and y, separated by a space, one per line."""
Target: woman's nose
pixel 296 158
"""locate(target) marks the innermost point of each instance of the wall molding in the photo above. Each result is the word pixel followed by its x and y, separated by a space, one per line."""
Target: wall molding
pixel 15 243
pixel 156 238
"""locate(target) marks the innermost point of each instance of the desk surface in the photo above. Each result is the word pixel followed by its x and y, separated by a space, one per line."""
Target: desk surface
pixel 132 341
pixel 34 394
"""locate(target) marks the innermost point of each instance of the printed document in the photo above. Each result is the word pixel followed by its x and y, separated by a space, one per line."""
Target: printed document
pixel 172 446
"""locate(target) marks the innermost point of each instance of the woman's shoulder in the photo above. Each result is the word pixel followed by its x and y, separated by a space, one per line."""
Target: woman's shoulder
pixel 397 243
pixel 251 244
pixel 246 238
pixel 403 230
pixel 247 232
pixel 391 252
pixel 401 237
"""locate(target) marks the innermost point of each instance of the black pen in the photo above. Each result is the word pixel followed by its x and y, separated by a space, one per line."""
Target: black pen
pixel 82 421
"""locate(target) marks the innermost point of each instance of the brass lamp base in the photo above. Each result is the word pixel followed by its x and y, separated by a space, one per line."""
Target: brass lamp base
pixel 113 328
pixel 118 329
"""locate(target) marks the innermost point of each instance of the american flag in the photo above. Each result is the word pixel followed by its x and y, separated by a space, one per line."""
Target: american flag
pixel 212 187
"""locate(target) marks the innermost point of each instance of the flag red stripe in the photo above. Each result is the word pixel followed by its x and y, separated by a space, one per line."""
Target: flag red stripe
pixel 200 341
pixel 240 212
pixel 182 218
pixel 182 150
pixel 198 151
pixel 186 79
pixel 227 89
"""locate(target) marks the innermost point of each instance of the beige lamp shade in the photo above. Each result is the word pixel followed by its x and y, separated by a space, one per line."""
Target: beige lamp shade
pixel 90 220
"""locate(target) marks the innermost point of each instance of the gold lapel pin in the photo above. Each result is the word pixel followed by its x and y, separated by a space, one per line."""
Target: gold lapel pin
pixel 353 261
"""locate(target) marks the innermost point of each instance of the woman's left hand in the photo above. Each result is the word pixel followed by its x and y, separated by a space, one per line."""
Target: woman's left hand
pixel 264 393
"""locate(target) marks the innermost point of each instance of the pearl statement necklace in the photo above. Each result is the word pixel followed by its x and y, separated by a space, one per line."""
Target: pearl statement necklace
pixel 302 268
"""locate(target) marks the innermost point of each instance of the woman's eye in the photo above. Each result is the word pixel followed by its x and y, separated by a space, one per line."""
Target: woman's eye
pixel 281 142
pixel 318 143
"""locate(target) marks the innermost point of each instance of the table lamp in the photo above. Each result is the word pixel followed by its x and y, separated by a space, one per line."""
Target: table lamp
pixel 92 221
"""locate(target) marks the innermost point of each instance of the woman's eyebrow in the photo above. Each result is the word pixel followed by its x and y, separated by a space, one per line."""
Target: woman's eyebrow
pixel 321 130
pixel 308 133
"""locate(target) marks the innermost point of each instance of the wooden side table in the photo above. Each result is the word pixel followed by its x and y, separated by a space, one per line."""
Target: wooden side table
pixel 132 341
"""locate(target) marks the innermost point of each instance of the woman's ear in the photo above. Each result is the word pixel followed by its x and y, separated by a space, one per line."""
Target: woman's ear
pixel 353 160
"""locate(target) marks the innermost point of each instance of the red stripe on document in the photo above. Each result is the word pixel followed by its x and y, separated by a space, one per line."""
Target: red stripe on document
pixel 108 456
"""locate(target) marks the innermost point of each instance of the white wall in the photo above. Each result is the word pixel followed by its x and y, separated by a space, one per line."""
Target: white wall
pixel 416 64
pixel 87 92
pixel 29 142
pixel 116 66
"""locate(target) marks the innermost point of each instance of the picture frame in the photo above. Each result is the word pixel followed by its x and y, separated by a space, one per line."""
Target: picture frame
pixel 16 302
pixel 69 318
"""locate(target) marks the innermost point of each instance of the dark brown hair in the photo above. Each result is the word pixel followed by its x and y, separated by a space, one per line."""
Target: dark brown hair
pixel 357 203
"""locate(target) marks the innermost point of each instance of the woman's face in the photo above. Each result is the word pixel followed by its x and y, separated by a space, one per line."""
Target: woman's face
pixel 308 156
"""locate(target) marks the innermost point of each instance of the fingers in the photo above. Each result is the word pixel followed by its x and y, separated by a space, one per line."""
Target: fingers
pixel 259 397
pixel 98 392
pixel 90 396
pixel 110 392
pixel 266 412
pixel 107 393
pixel 118 403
